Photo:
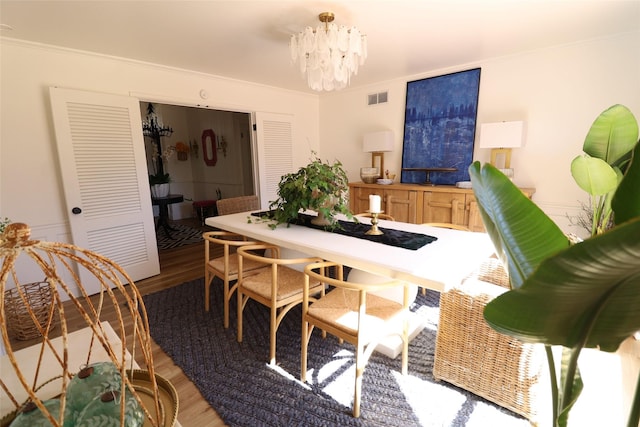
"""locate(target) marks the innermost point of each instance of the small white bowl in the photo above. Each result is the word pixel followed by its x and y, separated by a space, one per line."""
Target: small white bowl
pixel 385 181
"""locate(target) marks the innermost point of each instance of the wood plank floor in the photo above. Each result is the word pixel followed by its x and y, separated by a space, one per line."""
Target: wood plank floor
pixel 177 266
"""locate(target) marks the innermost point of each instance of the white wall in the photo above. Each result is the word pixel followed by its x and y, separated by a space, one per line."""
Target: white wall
pixel 30 182
pixel 558 92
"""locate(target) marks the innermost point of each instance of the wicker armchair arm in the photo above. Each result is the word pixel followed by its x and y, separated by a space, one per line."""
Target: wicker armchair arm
pixel 492 271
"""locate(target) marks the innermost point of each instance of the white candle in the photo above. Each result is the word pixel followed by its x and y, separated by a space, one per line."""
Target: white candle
pixel 374 203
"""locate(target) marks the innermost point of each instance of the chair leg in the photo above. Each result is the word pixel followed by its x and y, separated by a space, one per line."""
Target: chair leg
pixel 240 307
pixel 303 351
pixel 226 303
pixel 207 285
pixel 358 385
pixel 272 337
pixel 405 346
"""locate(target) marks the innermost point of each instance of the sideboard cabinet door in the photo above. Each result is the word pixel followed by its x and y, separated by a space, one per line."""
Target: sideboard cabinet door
pixel 440 206
pixel 401 203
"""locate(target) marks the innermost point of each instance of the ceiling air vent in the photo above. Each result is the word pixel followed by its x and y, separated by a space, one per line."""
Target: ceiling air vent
pixel 377 98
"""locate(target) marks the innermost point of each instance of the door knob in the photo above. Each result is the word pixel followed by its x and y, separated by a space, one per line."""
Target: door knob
pixel 76 211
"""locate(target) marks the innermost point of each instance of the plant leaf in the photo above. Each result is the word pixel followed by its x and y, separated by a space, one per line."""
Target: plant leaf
pixel 613 133
pixel 588 293
pixel 576 385
pixel 626 200
pixel 593 175
pixel 522 234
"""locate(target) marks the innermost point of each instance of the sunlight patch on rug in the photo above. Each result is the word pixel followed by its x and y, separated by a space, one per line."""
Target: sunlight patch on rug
pixel 437 404
pixel 483 412
pixel 336 377
pixel 433 404
pixel 277 369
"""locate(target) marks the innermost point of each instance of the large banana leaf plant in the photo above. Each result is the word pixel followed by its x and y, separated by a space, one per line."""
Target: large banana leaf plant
pixel 578 296
pixel 598 171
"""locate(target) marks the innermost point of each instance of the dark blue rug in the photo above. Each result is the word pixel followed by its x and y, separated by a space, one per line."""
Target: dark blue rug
pixel 238 383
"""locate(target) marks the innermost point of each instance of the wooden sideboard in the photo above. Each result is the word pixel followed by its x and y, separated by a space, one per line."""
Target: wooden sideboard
pixel 418 204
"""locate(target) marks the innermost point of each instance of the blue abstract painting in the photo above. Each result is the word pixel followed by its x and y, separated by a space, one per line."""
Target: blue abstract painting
pixel 439 126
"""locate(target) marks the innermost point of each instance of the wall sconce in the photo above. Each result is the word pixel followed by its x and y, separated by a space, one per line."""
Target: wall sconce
pixel 222 145
pixel 501 137
pixel 377 143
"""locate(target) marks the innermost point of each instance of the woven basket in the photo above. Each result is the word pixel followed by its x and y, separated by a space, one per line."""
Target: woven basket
pixel 20 322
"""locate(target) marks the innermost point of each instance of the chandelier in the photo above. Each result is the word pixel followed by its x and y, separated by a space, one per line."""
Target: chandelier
pixel 152 125
pixel 329 54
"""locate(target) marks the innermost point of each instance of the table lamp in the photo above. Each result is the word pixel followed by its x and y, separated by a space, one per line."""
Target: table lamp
pixel 501 137
pixel 377 143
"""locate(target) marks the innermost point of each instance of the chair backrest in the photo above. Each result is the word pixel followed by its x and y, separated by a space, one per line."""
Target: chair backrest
pixel 270 254
pixel 380 216
pixel 237 204
pixel 447 225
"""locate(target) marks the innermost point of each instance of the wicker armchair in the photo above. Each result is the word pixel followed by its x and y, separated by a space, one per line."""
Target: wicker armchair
pixel 473 356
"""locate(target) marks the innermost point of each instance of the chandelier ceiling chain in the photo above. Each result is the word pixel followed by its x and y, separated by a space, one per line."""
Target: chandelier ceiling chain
pixel 329 54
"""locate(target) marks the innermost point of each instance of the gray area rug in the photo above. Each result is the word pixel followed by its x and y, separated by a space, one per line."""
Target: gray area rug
pixel 238 383
pixel 183 235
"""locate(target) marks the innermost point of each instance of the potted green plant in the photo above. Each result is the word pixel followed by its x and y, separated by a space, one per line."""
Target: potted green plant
pixel 598 171
pixel 577 296
pixel 319 186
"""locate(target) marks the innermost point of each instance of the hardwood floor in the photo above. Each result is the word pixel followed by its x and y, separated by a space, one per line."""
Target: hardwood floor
pixel 177 266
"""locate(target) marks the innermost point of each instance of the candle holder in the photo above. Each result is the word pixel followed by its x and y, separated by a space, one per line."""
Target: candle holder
pixel 374 230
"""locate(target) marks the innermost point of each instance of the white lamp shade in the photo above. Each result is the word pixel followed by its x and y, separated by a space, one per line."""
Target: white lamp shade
pixel 501 135
pixel 374 142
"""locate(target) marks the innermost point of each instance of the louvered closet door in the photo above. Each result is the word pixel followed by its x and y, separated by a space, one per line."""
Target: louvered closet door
pixel 104 173
pixel 275 153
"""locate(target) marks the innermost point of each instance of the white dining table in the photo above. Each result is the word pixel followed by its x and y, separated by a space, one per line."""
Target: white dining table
pixel 437 265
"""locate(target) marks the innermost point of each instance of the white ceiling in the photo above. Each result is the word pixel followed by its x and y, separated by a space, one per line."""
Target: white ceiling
pixel 248 40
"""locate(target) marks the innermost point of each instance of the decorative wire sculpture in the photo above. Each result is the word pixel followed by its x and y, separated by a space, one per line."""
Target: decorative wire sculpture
pixel 116 288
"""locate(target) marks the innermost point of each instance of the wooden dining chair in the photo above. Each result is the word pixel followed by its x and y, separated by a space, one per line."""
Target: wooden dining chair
pixel 237 204
pixel 380 216
pixel 352 313
pixel 226 266
pixel 277 286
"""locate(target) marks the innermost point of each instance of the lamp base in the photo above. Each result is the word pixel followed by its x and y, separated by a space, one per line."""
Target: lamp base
pixel 505 152
pixel 378 157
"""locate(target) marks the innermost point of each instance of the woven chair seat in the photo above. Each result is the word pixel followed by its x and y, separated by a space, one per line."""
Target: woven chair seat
pixel 218 264
pixel 289 283
pixel 340 308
